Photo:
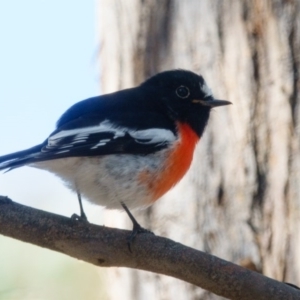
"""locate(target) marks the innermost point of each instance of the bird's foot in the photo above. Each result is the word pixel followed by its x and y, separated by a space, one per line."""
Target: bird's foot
pixel 5 200
pixel 137 228
pixel 81 218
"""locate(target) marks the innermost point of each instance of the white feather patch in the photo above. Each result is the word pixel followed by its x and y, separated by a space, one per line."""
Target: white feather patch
pixel 206 90
pixel 83 133
pixel 80 135
pixel 153 135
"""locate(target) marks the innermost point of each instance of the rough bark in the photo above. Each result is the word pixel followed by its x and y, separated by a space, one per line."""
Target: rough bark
pixel 106 247
pixel 241 198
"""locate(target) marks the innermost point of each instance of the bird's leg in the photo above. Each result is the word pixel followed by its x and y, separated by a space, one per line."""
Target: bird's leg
pixel 137 228
pixel 82 213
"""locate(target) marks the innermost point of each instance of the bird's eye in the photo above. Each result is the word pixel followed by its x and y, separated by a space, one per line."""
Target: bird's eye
pixel 182 92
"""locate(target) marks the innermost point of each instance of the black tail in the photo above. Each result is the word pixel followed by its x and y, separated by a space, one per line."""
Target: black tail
pixel 20 158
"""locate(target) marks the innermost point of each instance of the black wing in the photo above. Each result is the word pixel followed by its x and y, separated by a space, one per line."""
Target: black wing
pixel 92 135
pixel 126 122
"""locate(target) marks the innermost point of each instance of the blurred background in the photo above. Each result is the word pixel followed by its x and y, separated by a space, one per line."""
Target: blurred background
pixel 241 198
pixel 48 61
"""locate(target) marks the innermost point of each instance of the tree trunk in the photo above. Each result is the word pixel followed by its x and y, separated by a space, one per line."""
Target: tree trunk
pixel 241 198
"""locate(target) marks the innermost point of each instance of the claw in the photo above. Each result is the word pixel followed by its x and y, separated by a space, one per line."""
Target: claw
pixel 5 200
pixel 77 218
pixel 137 228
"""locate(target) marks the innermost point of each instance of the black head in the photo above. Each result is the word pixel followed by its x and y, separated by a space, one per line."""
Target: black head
pixel 186 95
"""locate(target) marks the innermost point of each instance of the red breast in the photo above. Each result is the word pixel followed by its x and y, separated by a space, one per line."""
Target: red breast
pixel 178 161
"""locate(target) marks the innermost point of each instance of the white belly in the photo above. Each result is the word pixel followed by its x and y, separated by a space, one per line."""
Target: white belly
pixel 107 180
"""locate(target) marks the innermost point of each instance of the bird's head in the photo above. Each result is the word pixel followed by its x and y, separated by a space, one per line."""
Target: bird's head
pixel 186 96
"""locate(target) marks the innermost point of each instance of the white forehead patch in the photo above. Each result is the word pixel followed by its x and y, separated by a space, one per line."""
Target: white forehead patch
pixel 205 89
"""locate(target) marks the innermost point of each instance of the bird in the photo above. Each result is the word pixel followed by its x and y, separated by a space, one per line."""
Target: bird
pixel 127 148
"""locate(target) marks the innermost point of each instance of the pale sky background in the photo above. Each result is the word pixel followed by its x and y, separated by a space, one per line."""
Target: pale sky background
pixel 48 61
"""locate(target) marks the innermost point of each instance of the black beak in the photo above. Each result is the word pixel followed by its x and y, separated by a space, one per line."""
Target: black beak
pixel 212 102
pixel 215 102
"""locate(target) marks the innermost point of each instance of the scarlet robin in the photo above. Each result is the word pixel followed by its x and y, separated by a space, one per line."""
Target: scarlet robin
pixel 129 147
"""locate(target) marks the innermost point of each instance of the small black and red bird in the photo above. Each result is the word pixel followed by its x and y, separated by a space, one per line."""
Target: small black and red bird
pixel 129 147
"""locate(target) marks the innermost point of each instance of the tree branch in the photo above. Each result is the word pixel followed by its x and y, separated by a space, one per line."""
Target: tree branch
pixel 106 247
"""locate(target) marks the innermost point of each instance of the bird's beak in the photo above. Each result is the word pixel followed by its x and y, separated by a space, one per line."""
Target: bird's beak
pixel 213 102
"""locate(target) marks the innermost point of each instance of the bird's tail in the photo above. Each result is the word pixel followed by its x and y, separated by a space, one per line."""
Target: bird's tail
pixel 20 158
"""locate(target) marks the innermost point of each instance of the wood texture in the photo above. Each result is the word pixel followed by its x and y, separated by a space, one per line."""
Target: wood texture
pixel 107 247
pixel 241 198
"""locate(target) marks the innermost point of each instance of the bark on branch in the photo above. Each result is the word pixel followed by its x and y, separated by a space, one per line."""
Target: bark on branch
pixel 106 247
